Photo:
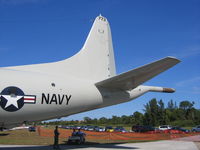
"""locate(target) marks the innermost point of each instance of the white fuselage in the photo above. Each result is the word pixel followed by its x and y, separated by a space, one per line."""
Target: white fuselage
pixel 56 96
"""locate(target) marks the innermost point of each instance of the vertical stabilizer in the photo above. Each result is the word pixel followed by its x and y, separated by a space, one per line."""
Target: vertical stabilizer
pixel 97 53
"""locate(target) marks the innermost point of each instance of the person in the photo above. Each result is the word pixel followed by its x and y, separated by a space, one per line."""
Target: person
pixel 56 137
pixel 81 135
pixel 74 132
pixel 79 132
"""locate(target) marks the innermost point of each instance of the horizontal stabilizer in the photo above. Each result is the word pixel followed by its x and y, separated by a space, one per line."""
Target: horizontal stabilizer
pixel 131 79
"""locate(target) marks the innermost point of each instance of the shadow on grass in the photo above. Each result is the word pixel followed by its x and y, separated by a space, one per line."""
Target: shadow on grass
pixel 4 134
pixel 65 146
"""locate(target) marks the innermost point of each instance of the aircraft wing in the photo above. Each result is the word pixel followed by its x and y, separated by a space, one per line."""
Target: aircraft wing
pixel 131 79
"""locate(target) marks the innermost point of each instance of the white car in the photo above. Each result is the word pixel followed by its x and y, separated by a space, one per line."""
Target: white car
pixel 164 127
pixel 77 137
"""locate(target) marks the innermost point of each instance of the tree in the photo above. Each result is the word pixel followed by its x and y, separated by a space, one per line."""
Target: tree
pixel 151 113
pixel 161 113
pixel 115 120
pixel 125 119
pixel 171 105
pixel 87 120
pixel 185 105
pixel 138 118
pixel 103 120
pixel 188 109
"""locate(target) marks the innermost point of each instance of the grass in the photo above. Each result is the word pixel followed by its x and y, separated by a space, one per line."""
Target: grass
pixel 24 137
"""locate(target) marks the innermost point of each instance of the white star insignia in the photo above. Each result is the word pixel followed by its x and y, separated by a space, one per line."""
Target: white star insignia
pixel 12 100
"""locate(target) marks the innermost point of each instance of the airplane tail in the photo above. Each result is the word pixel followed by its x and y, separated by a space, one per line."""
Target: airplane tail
pixel 95 61
pixel 97 53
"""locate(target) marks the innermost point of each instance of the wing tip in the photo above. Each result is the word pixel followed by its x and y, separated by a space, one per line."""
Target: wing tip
pixel 173 58
pixel 168 90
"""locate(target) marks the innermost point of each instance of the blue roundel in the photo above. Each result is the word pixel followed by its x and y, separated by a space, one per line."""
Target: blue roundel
pixel 12 99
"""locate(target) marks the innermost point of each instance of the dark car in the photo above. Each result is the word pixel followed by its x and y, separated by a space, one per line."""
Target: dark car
pixel 140 128
pixel 180 129
pixel 119 129
pixel 31 129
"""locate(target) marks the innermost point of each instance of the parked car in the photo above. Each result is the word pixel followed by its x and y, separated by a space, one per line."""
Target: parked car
pixel 196 129
pixel 164 127
pixel 90 128
pixel 109 129
pixel 82 127
pixel 78 127
pixel 74 127
pixel 180 129
pixel 77 137
pixel 70 127
pixel 99 129
pixel 31 129
pixel 136 128
pixel 119 129
pixel 140 128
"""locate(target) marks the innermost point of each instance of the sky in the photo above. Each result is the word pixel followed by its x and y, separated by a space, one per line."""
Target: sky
pixel 143 31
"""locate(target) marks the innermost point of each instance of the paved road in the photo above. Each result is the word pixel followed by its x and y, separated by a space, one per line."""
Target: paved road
pixel 159 145
pixel 195 138
pixel 198 145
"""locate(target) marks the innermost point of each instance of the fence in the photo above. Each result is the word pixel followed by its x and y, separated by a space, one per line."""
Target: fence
pixel 116 136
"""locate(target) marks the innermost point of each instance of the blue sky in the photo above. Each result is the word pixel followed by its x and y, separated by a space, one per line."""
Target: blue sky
pixel 39 31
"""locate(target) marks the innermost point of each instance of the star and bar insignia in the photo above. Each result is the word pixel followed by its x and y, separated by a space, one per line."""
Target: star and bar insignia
pixel 13 99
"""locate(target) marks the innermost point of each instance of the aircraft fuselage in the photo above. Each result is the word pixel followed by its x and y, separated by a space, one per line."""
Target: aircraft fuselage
pixel 54 96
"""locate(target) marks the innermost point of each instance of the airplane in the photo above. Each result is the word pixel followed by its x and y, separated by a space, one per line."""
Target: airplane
pixel 83 82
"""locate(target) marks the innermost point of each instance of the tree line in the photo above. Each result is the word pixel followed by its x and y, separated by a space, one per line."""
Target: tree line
pixel 155 113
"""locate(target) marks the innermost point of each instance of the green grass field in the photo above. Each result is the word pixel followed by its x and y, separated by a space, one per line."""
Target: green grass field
pixel 24 137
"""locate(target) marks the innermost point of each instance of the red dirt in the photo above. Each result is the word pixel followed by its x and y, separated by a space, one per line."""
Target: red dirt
pixel 116 136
